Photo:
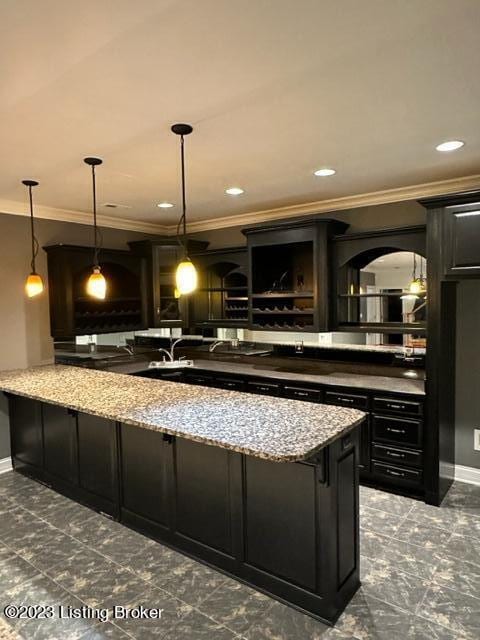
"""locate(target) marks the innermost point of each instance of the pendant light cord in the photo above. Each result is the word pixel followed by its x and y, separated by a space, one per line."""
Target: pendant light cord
pixel 183 218
pixel 95 230
pixel 32 231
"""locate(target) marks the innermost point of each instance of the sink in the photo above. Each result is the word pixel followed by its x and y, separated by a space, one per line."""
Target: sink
pixel 170 364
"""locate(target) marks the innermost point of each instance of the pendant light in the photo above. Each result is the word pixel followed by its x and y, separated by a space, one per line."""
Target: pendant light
pixel 96 284
pixel 186 274
pixel 34 283
pixel 417 285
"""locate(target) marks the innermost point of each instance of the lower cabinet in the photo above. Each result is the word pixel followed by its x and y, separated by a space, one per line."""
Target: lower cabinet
pixel 97 457
pixel 26 434
pixel 60 443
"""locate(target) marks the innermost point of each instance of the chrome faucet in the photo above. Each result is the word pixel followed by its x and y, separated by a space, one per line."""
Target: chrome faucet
pixel 127 348
pixel 215 344
pixel 171 353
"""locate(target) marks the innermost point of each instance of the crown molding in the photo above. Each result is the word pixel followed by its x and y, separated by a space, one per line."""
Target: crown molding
pixel 11 207
pixel 387 196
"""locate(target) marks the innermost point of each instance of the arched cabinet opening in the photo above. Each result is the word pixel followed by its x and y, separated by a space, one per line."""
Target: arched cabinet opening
pixel 383 287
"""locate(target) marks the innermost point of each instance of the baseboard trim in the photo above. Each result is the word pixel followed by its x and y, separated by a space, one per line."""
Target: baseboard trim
pixel 5 465
pixel 467 474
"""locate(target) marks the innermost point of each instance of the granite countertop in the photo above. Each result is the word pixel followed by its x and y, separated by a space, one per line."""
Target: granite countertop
pixel 274 429
pixel 339 379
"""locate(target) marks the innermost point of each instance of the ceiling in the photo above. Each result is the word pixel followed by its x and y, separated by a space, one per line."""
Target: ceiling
pixel 274 89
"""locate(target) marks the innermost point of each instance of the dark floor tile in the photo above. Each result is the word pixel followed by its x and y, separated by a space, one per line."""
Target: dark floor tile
pixel 463 548
pixel 457 574
pixel 366 618
pixel 381 522
pixel 158 564
pixel 389 502
pixel 464 497
pixel 454 610
pixel 236 606
pixel 409 558
pixel 421 629
pixel 372 543
pixel 193 583
pixel 67 517
pixel 444 517
pixel 111 539
pixel 422 535
pixel 105 631
pixel 173 611
pixel 97 581
pixel 47 547
pixel 197 626
pixel 366 565
pixel 41 590
pixel 468 525
pixel 7 632
pixel 285 623
pixel 14 571
pixel 395 587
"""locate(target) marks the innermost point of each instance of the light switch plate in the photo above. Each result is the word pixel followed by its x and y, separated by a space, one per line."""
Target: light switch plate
pixel 476 439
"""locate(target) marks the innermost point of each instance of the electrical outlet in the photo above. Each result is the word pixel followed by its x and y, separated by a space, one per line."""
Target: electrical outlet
pixel 299 346
pixel 476 439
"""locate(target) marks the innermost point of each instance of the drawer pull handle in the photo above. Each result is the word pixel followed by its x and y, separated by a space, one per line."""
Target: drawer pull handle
pixel 300 393
pixel 392 454
pixel 346 399
pixel 393 430
pixel 395 473
pixel 395 406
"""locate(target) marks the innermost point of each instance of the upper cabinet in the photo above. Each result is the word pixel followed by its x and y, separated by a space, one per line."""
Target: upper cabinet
pixel 72 312
pixel 221 299
pixel 289 267
pixel 381 281
pixel 165 308
pixel 456 219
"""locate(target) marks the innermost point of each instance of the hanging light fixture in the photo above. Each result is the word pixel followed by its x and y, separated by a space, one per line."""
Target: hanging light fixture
pixel 186 274
pixel 417 284
pixel 96 284
pixel 34 283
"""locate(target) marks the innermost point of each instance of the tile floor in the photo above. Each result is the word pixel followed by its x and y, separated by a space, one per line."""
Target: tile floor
pixel 420 574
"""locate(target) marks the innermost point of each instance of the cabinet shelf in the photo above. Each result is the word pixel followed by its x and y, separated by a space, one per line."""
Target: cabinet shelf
pixel 292 312
pixel 284 294
pixel 380 295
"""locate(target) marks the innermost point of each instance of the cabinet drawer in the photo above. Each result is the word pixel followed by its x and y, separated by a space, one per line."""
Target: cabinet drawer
pixel 397 473
pixel 397 431
pixel 346 399
pixel 302 393
pixel 398 456
pixel 396 405
pixel 265 388
pixel 230 383
pixel 197 378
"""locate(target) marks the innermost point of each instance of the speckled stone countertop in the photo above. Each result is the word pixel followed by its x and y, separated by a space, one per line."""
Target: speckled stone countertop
pixel 274 429
pixel 338 379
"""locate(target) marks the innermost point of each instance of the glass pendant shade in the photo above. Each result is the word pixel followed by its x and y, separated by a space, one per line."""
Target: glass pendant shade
pixel 97 285
pixel 33 285
pixel 416 286
pixel 186 277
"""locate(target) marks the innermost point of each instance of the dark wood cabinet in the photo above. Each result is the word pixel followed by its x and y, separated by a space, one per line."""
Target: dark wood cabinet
pixel 97 457
pixel 164 307
pixel 146 471
pixel 289 267
pixel 26 431
pixel 60 443
pixel 72 312
pixel 365 300
pixel 462 224
pixel 222 296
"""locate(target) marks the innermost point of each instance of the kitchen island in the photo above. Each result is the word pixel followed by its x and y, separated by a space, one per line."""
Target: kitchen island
pixel 264 489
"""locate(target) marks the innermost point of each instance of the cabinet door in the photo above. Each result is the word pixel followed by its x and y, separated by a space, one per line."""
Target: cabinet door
pixel 145 466
pixel 97 468
pixel 60 436
pixel 26 430
pixel 463 233
pixel 203 511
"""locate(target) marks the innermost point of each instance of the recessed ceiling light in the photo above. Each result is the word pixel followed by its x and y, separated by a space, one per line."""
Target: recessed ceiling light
pixel 450 145
pixel 324 172
pixel 165 205
pixel 234 191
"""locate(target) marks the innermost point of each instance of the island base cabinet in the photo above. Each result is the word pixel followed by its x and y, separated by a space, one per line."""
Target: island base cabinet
pixel 289 529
